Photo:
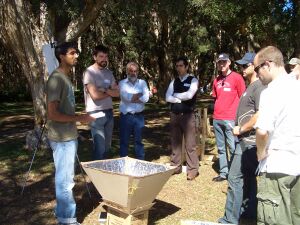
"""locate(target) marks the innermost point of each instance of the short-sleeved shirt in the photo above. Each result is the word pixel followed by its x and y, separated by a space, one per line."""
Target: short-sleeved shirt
pixel 101 79
pixel 227 91
pixel 59 88
pixel 279 112
pixel 248 106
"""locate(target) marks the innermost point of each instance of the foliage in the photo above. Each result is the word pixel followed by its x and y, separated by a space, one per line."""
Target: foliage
pixel 155 33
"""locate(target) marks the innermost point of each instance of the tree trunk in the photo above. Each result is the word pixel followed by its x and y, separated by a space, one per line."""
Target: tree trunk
pixel 24 39
pixel 25 33
pixel 164 74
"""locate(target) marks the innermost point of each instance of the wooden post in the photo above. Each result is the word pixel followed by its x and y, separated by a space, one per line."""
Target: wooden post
pixel 198 131
pixel 204 133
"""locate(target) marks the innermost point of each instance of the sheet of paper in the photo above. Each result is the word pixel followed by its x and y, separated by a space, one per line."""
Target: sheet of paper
pixel 97 115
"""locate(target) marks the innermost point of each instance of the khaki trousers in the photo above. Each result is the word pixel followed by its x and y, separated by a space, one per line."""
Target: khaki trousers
pixel 183 125
pixel 278 199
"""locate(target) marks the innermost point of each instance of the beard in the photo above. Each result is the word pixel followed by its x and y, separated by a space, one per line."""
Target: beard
pixel 132 79
pixel 102 64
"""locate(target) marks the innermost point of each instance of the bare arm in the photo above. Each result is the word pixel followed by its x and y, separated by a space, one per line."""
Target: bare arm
pixel 113 91
pixel 55 115
pixel 95 93
pixel 238 130
pixel 262 137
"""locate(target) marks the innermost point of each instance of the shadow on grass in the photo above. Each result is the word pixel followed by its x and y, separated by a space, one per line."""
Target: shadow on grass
pixel 161 210
pixel 36 206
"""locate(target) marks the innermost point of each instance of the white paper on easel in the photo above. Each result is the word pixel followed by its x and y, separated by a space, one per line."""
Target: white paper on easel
pixel 97 115
pixel 51 61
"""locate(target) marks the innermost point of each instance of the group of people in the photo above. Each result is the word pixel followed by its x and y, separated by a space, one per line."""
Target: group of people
pixel 267 105
pixel 259 126
pixel 100 87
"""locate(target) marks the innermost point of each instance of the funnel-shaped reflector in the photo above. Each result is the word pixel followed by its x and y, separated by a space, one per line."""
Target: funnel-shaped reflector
pixel 128 182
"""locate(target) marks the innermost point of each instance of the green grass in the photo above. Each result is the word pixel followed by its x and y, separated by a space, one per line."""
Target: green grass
pixel 16 108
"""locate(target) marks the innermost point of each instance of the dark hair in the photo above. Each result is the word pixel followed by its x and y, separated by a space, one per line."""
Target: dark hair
pixel 184 59
pixel 62 48
pixel 100 48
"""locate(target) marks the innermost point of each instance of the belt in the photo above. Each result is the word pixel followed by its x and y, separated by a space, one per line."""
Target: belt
pixel 181 113
pixel 133 114
pixel 96 111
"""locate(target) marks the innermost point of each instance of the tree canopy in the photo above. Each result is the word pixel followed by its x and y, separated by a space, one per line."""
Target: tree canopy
pixel 153 33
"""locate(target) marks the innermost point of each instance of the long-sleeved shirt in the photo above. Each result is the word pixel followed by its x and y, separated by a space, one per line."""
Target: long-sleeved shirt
pixel 178 97
pixel 127 90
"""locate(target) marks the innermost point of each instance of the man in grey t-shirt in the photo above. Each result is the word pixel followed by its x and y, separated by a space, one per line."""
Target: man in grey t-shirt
pixel 241 194
pixel 99 88
pixel 62 131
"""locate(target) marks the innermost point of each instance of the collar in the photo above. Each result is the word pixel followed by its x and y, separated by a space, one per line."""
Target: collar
pixel 184 77
pixel 127 81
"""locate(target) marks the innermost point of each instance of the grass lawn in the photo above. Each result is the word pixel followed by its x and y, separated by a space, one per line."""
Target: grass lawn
pixel 200 199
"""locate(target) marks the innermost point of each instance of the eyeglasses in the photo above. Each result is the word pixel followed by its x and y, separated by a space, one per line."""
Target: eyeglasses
pixel 179 65
pixel 72 53
pixel 256 69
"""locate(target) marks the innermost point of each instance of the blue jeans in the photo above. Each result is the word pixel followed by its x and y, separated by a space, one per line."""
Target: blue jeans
pixel 224 137
pixel 64 154
pixel 241 192
pixel 102 129
pixel 132 124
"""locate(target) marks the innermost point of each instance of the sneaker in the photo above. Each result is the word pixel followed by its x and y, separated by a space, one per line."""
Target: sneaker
pixel 219 179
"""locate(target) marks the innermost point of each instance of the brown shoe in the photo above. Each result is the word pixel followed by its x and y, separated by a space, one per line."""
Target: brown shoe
pixel 178 170
pixel 190 177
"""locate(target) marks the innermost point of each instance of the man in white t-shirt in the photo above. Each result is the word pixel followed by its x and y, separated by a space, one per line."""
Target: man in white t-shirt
pixel 99 88
pixel 278 141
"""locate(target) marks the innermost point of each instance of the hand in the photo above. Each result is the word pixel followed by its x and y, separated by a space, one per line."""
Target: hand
pixel 154 90
pixel 85 118
pixel 102 90
pixel 236 131
pixel 135 97
pixel 115 87
pixel 261 155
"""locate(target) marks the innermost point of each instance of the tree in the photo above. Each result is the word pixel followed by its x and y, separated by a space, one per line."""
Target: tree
pixel 27 25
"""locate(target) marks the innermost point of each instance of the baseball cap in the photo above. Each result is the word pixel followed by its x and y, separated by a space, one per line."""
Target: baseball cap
pixel 294 61
pixel 223 57
pixel 248 58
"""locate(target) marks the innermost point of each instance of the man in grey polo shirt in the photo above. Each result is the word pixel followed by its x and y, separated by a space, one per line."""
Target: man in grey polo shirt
pixel 99 88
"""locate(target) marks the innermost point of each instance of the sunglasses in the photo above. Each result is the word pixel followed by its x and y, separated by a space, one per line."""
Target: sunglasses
pixel 256 69
pixel 245 66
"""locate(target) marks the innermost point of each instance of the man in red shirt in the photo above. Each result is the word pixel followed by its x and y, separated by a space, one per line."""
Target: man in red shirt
pixel 228 86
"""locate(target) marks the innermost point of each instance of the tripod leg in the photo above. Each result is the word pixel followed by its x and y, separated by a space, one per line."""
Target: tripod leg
pixel 33 157
pixel 81 170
